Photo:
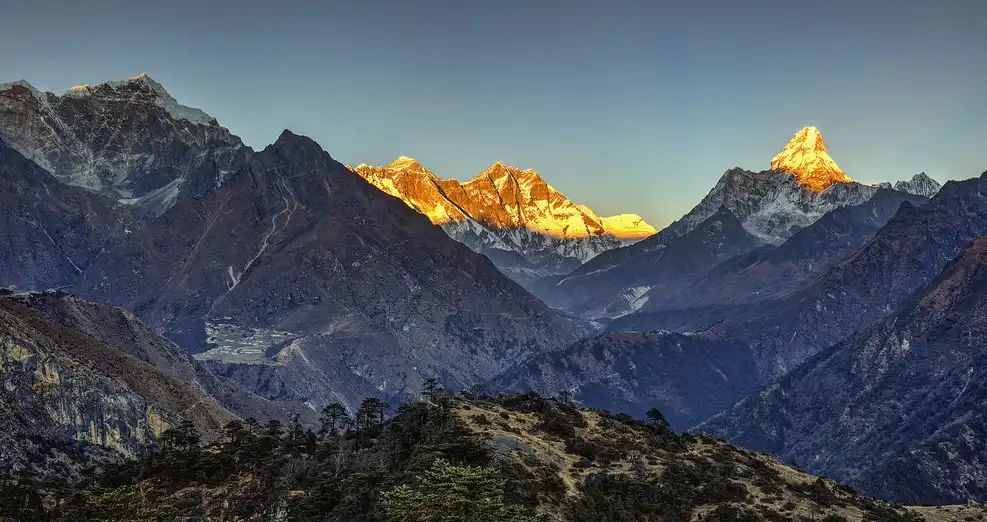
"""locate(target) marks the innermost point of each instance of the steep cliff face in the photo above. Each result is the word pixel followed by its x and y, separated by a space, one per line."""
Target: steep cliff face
pixel 69 400
pixel 513 216
pixel 895 411
pixel 121 331
pixel 129 140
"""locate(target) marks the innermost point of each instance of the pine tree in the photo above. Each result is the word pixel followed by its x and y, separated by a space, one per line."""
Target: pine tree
pixel 658 420
pixel 331 419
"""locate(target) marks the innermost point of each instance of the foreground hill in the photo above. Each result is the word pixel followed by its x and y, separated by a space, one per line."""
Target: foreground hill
pixel 507 459
pixel 896 411
pixel 73 399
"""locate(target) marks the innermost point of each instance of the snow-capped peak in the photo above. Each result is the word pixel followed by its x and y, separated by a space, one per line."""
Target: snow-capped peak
pixel 806 159
pixel 920 184
pixel 163 98
pixel 404 162
pixel 628 226
pixel 506 208
pixel 19 83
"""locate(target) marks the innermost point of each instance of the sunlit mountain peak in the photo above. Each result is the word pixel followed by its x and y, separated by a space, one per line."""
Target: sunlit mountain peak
pixel 806 159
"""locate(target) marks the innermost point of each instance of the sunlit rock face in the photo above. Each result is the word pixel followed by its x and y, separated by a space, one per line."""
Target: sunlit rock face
pixel 84 384
pixel 527 227
pixel 130 140
pixel 806 159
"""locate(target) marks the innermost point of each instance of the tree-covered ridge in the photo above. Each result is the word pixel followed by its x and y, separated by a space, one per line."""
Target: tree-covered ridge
pixel 511 458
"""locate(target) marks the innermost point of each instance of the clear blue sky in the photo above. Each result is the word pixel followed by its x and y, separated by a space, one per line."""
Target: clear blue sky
pixel 625 106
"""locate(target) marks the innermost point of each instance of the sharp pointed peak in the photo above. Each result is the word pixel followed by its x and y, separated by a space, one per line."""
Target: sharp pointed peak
pixel 810 138
pixel 288 137
pixel 806 159
pixel 290 140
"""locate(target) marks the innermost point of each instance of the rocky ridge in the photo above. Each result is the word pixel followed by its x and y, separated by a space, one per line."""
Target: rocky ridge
pixel 904 395
pixel 129 140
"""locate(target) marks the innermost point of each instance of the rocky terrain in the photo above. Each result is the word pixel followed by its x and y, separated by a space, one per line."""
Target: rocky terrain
pixel 129 140
pixel 344 291
pixel 770 206
pixel 513 458
pixel 52 232
pixel 71 400
pixel 895 411
pixel 529 229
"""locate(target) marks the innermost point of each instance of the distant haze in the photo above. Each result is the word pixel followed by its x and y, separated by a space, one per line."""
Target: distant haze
pixel 625 106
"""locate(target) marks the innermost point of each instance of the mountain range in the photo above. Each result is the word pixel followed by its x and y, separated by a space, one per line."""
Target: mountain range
pixel 901 399
pixel 792 311
pixel 512 216
pixel 279 268
pixel 129 140
pixel 769 207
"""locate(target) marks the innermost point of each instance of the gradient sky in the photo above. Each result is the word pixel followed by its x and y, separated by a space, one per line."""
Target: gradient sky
pixel 625 106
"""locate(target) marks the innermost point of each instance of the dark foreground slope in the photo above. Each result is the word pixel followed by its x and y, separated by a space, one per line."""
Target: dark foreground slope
pixel 70 400
pixel 120 331
pixel 510 459
pixel 896 411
